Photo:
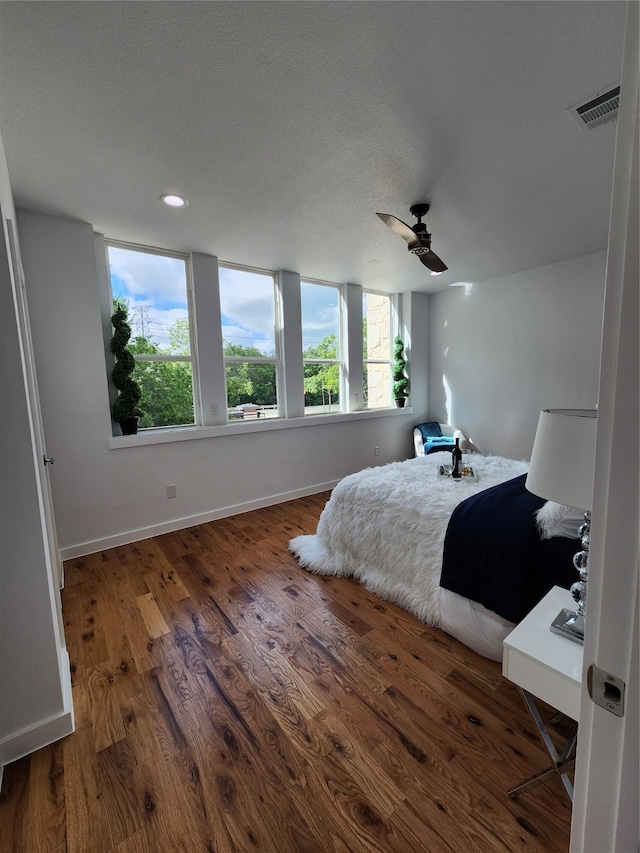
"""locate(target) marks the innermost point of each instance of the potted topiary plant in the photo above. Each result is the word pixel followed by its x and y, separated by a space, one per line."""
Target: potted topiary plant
pixel 125 409
pixel 400 379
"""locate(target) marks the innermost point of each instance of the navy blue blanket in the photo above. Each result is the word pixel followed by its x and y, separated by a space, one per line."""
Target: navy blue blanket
pixel 493 554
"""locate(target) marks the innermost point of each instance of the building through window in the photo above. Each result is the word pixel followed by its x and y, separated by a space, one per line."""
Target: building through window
pixel 377 337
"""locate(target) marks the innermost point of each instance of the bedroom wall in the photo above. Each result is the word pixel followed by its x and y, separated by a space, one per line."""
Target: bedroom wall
pixel 105 495
pixel 415 318
pixel 502 350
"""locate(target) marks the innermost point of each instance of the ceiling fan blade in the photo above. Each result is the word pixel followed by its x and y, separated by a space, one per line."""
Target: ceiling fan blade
pixel 433 262
pixel 398 227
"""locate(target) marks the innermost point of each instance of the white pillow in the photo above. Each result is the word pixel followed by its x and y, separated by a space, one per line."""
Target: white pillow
pixel 558 520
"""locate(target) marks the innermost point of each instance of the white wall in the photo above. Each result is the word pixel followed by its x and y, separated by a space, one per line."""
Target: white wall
pixel 34 668
pixel 510 347
pixel 415 332
pixel 106 494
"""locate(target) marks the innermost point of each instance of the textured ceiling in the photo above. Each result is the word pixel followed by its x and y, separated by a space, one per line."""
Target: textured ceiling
pixel 287 125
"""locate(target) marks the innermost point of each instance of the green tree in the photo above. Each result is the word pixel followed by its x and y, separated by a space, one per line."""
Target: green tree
pixel 179 338
pixel 239 385
pixel 143 345
pixel 167 386
pixel 322 381
pixel 167 393
pixel 249 381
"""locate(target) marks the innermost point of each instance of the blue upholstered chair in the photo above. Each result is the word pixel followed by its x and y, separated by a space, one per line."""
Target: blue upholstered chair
pixel 431 437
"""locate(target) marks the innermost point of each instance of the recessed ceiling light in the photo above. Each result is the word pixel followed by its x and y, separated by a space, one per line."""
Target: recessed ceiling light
pixel 174 200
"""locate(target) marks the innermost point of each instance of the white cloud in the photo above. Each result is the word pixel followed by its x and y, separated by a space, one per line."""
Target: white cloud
pixel 246 300
pixel 157 284
pixel 150 278
pixel 320 313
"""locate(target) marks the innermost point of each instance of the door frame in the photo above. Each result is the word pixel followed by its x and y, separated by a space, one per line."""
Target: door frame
pixel 605 810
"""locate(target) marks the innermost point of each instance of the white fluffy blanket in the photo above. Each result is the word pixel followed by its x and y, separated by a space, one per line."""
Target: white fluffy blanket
pixel 386 526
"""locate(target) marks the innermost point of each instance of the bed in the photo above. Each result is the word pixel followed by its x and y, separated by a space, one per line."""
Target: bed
pixel 468 556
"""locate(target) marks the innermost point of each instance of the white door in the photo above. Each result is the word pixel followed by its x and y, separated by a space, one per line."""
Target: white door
pixel 605 811
pixel 35 412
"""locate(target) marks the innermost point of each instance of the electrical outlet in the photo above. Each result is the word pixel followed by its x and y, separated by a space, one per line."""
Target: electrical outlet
pixel 172 491
pixel 376 451
pixel 214 409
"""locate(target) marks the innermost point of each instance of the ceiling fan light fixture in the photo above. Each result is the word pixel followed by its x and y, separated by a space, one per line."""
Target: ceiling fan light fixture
pixel 173 200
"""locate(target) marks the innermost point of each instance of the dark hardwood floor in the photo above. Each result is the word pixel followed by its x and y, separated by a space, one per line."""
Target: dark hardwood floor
pixel 227 700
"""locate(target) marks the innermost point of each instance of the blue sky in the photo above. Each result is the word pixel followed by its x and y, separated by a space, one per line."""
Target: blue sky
pixel 320 313
pixel 156 284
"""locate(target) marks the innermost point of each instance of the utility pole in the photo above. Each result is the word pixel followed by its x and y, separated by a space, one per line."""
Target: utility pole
pixel 141 322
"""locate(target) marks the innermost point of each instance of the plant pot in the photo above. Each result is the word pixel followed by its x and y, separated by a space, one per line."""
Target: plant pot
pixel 400 402
pixel 129 426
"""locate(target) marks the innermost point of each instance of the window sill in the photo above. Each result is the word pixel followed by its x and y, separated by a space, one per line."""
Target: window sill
pixel 190 433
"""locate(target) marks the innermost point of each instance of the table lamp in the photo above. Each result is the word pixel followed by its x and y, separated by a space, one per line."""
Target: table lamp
pixel 561 470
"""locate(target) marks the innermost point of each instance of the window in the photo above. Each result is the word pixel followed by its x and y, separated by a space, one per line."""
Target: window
pixel 376 350
pixel 321 347
pixel 248 309
pixel 155 287
pixel 210 347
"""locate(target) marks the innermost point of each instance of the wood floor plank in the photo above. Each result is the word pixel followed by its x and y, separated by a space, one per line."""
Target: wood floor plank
pixel 136 843
pixel 225 699
pixel 118 794
pixel 46 827
pixel 225 748
pixel 176 816
pixel 105 712
pixel 153 619
pixel 122 602
pixel 14 807
pixel 86 827
pixel 87 645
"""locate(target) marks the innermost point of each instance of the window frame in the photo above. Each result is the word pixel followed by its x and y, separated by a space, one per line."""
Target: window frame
pixel 162 357
pixel 276 359
pixel 207 359
pixel 340 361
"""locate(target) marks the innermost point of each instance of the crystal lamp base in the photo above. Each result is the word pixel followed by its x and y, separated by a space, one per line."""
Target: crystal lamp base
pixel 569 624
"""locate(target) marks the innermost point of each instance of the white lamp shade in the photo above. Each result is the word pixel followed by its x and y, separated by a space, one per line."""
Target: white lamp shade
pixel 563 457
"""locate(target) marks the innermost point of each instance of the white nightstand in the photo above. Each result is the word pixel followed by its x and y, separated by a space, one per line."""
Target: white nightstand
pixel 547 666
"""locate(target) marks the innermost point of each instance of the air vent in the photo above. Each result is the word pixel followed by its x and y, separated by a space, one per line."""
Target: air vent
pixel 598 109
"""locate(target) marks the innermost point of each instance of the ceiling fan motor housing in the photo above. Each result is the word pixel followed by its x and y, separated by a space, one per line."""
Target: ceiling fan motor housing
pixel 423 246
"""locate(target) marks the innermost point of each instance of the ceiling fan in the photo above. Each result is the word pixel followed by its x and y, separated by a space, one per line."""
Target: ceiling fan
pixel 417 236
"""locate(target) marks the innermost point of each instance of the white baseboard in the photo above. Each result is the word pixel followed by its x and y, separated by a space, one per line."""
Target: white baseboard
pixel 84 548
pixel 45 732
